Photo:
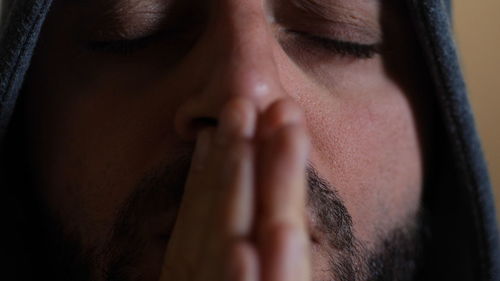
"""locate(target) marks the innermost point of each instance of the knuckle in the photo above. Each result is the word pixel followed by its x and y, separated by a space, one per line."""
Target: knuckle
pixel 278 229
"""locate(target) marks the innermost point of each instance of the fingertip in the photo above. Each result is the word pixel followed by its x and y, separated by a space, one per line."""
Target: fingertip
pixel 281 113
pixel 238 119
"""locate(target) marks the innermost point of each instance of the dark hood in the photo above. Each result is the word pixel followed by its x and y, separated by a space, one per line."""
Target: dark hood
pixel 464 242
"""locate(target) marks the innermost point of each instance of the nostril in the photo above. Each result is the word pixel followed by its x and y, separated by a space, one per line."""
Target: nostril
pixel 192 117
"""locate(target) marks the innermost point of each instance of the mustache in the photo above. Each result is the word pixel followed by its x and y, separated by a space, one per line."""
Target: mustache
pixel 329 211
pixel 161 191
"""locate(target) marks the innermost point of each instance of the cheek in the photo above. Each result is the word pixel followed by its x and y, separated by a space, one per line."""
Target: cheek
pixel 365 142
pixel 92 148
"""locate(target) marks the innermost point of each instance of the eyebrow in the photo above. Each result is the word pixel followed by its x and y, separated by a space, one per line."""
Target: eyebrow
pixel 358 15
pixel 135 16
pixel 319 8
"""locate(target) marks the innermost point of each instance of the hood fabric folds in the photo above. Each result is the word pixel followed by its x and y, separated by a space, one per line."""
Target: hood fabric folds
pixel 464 243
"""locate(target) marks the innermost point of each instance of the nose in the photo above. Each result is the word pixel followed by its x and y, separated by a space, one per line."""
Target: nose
pixel 232 58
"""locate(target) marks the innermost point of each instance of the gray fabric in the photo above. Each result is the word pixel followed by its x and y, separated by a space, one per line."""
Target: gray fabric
pixel 465 243
pixel 434 28
pixel 18 38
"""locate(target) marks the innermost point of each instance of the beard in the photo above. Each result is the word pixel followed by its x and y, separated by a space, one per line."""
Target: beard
pixel 396 255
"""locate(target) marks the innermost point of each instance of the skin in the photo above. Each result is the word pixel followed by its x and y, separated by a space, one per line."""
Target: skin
pixel 280 248
pixel 100 121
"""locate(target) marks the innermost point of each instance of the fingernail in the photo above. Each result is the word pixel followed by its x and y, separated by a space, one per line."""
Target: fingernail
pixel 201 149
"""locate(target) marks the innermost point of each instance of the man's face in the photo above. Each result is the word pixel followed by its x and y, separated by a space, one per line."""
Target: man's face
pixel 118 89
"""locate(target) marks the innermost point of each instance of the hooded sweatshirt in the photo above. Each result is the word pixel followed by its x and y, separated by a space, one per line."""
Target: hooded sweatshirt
pixel 464 242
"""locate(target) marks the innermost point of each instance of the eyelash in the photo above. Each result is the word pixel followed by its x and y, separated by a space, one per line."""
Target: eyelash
pixel 124 47
pixel 338 47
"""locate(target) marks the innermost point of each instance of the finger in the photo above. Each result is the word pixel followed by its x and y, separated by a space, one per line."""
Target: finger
pixel 236 212
pixel 243 263
pixel 282 231
pixel 283 236
pixel 284 254
pixel 219 162
pixel 185 241
pixel 281 163
pixel 239 198
pixel 278 114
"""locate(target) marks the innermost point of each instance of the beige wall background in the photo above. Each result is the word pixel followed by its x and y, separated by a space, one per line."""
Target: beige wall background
pixel 477 26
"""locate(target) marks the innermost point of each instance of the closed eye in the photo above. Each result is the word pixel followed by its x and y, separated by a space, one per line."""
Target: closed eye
pixel 339 47
pixel 122 46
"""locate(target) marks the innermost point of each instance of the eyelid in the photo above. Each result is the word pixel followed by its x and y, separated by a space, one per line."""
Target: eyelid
pixel 118 46
pixel 117 32
pixel 335 38
pixel 332 46
pixel 178 40
pixel 341 19
pixel 339 46
pixel 122 19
